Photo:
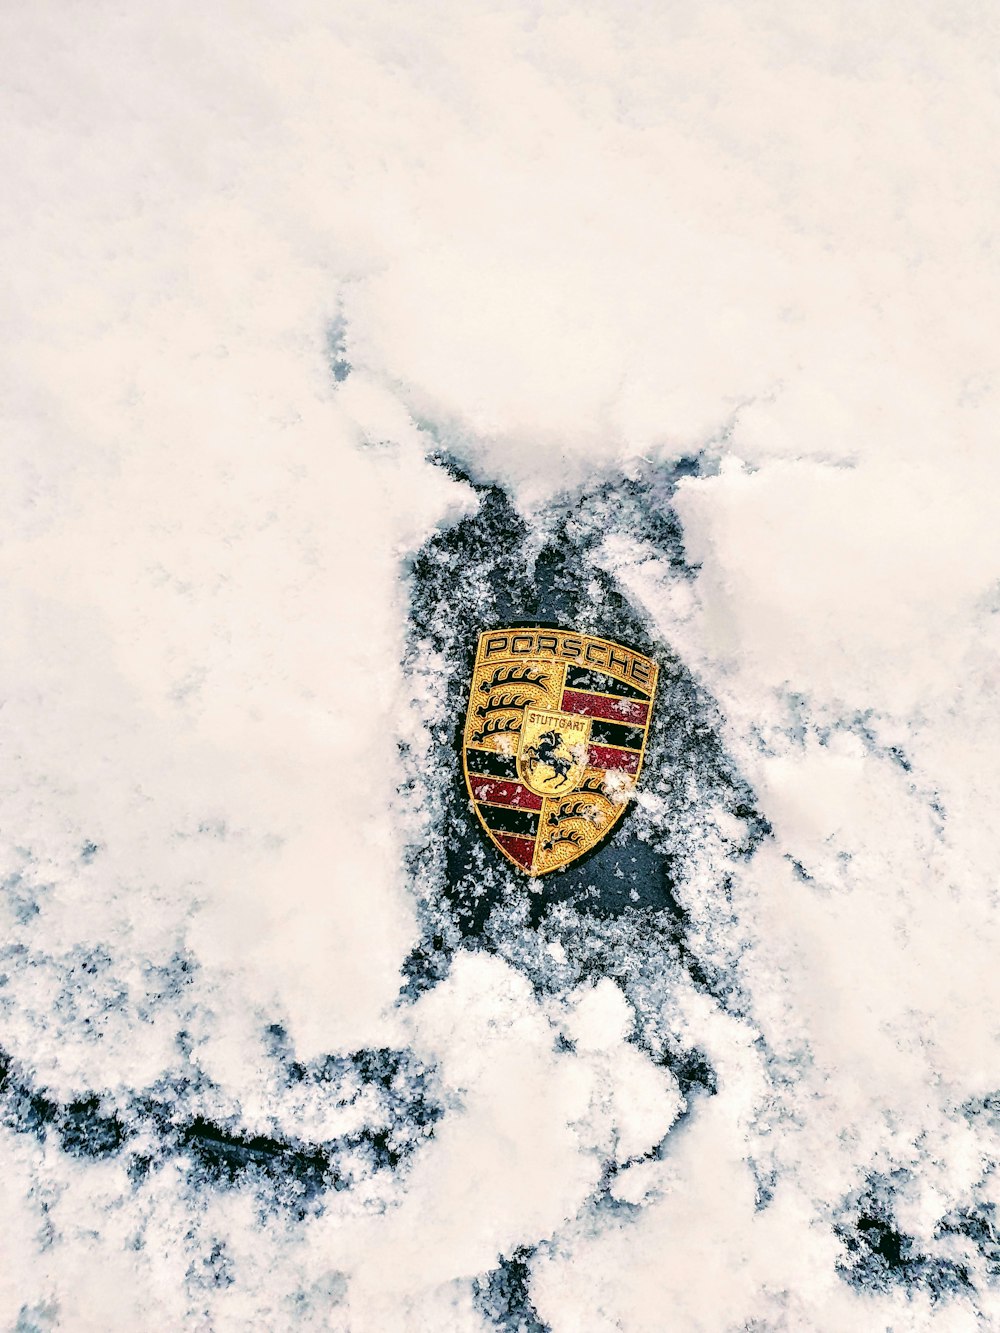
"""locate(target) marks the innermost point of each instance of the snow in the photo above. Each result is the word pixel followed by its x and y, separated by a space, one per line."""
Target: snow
pixel 710 295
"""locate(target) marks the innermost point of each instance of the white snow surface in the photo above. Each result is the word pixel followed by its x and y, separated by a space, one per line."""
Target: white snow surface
pixel 579 241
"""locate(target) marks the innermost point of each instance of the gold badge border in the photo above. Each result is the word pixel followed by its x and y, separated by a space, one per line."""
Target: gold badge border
pixel 595 638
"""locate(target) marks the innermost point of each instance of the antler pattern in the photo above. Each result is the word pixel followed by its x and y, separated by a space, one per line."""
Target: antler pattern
pixel 571 810
pixel 502 704
pixel 523 676
pixel 553 841
pixel 496 726
pixel 594 785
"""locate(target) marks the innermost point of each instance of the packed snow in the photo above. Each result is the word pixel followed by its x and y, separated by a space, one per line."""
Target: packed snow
pixel 335 333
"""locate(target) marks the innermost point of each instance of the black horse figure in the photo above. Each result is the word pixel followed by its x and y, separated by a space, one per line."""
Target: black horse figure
pixel 546 752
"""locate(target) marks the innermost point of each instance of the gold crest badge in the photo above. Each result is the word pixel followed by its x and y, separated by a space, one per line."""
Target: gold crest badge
pixel 554 740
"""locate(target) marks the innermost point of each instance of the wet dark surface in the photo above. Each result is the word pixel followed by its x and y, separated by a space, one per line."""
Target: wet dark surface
pixel 150 1130
pixel 490 571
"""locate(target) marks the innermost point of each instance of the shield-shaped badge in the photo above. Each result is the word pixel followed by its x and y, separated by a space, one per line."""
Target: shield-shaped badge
pixel 554 740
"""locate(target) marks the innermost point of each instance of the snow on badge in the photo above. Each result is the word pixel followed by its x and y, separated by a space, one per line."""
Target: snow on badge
pixel 554 740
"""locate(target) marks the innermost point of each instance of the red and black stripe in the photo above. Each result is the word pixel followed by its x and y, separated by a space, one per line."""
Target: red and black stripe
pixel 504 793
pixel 620 761
pixel 506 819
pixel 618 729
pixel 626 711
pixel 522 850
pixel 489 763
pixel 577 678
pixel 508 809
pixel 612 733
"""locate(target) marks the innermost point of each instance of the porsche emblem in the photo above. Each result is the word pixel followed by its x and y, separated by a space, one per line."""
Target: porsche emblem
pixel 554 740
